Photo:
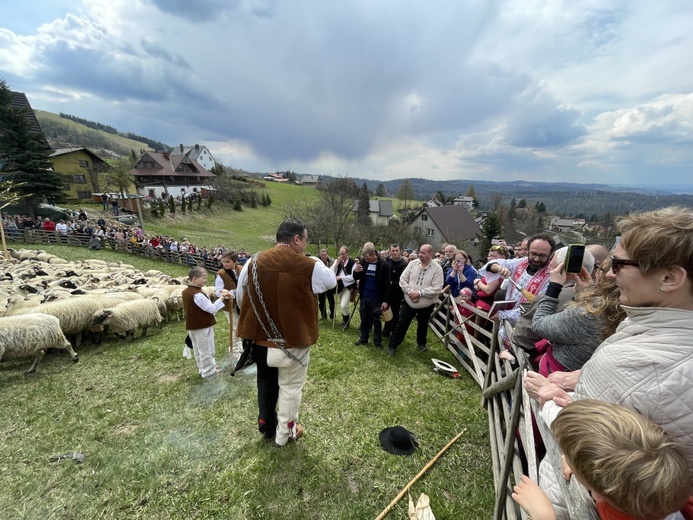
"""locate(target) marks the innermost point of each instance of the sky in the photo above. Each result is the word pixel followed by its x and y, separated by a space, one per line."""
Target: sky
pixel 501 90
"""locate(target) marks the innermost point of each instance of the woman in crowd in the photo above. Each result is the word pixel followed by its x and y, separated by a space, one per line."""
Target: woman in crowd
pixel 485 291
pixel 575 333
pixel 462 274
pixel 647 364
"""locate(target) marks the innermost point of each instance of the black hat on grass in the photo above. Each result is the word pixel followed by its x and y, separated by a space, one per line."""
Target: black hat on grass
pixel 398 440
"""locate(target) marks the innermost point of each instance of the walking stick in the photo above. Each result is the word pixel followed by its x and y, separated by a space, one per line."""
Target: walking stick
pixel 356 306
pixel 418 476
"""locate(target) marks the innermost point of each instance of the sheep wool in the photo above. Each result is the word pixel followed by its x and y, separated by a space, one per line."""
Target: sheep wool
pixel 31 335
pixel 127 317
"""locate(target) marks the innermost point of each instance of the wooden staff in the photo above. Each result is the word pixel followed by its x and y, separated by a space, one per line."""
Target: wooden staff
pixel 418 476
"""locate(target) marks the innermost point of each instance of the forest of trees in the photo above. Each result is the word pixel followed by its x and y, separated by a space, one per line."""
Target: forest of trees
pixel 156 145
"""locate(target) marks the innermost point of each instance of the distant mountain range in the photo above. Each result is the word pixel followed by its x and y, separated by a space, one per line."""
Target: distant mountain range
pixel 564 198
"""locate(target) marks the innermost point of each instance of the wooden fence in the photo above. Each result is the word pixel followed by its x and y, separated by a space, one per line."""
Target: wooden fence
pixel 39 236
pixel 508 406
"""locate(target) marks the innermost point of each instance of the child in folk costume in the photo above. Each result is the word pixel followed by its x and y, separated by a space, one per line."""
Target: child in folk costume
pixel 227 278
pixel 200 321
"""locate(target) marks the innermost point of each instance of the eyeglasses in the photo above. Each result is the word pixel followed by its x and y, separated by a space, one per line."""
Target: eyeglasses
pixel 540 257
pixel 618 263
pixel 304 238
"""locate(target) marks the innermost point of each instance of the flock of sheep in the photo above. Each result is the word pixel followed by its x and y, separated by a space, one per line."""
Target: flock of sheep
pixel 45 301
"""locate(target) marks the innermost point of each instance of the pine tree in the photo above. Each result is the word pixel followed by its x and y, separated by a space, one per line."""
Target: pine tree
pixel 171 204
pixel 25 157
pixel 380 190
pixel 363 210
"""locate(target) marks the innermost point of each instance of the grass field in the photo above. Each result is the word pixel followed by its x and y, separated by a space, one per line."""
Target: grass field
pixel 159 442
pixel 252 229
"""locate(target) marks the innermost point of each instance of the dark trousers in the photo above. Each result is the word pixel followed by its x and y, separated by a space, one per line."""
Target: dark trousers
pixel 267 392
pixel 406 316
pixel 366 308
pixel 395 305
pixel 329 295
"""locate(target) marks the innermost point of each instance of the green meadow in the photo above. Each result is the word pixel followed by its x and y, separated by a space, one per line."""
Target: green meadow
pixel 160 442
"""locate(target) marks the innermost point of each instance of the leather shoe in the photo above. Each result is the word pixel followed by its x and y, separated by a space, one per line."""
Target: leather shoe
pixel 390 351
pixel 360 342
pixel 422 348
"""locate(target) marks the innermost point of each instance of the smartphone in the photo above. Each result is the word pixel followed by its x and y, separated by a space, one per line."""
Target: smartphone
pixel 574 257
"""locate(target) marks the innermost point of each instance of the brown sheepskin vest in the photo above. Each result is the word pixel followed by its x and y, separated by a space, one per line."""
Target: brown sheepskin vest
pixel 195 318
pixel 285 280
pixel 228 283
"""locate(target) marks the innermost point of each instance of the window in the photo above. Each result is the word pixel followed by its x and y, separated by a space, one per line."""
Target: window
pixel 84 164
pixel 79 179
pixel 417 229
pixel 424 217
pixel 430 232
pixel 83 194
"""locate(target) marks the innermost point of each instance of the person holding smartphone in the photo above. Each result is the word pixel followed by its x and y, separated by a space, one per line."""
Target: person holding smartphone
pixel 461 274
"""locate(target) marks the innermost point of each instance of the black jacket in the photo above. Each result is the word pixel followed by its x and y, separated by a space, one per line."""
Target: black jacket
pixel 382 280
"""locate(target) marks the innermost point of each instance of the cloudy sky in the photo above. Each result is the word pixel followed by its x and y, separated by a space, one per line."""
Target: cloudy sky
pixel 587 91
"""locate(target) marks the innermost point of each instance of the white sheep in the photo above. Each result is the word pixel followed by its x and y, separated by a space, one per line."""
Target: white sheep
pixel 75 314
pixel 31 335
pixel 127 317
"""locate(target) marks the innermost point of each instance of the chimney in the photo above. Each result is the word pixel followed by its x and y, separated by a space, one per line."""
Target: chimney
pixel 197 147
pixel 166 155
pixel 181 148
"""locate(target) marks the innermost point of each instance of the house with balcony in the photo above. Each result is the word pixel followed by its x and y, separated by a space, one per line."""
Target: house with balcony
pixel 157 174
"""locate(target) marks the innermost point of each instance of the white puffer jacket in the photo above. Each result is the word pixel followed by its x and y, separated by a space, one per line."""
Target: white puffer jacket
pixel 647 366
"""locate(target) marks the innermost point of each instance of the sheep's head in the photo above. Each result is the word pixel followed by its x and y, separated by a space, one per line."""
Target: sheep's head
pixel 101 316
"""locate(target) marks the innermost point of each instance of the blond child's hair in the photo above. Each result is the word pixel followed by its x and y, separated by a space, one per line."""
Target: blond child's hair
pixel 196 272
pixel 625 457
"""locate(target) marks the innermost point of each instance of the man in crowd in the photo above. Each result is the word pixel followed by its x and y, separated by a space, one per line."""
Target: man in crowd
pixel 276 293
pixel 530 273
pixel 521 249
pixel 446 264
pixel 373 279
pixel 421 283
pixel 396 265
pixel 327 297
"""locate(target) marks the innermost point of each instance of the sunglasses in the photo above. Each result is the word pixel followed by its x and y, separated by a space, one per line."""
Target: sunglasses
pixel 618 263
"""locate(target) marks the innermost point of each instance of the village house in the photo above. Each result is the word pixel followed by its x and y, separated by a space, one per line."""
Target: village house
pixel 381 212
pixel 198 153
pixel 176 175
pixel 77 166
pixel 437 225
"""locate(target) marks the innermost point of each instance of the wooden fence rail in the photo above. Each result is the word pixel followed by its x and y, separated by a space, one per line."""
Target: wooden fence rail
pixel 474 343
pixel 39 236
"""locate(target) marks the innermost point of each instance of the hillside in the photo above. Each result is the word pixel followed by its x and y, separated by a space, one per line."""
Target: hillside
pixel 559 197
pixel 62 133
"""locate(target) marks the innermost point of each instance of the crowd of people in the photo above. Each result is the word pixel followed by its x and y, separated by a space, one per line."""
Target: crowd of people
pixel 100 232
